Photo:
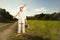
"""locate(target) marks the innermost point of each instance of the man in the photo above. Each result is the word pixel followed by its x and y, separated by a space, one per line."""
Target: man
pixel 21 20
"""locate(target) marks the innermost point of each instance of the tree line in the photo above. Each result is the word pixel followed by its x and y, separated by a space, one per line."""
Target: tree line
pixel 5 16
pixel 43 16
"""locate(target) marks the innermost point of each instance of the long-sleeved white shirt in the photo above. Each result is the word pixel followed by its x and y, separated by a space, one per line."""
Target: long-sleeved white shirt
pixel 21 17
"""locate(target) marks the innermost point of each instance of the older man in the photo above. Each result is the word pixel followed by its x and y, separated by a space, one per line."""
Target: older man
pixel 21 20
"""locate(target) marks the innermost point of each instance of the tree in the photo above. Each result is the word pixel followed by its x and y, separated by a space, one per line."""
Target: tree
pixel 42 16
pixel 5 16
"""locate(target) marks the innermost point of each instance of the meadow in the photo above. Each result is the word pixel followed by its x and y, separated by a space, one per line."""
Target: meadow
pixel 1 23
pixel 39 30
pixel 49 30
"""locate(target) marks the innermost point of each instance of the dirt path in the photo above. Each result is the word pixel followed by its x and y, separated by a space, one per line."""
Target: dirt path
pixel 8 29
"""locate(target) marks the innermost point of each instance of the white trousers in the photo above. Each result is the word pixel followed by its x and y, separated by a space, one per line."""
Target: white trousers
pixel 21 27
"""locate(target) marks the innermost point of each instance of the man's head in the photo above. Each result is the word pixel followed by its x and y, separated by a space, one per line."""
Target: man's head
pixel 22 8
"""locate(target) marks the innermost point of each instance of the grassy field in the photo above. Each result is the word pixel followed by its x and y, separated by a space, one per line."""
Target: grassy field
pixel 40 30
pixel 49 30
pixel 2 23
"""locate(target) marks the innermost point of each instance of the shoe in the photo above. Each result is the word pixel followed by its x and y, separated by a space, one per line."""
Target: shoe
pixel 18 34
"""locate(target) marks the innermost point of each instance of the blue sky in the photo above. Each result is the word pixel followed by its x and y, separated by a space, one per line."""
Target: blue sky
pixel 33 6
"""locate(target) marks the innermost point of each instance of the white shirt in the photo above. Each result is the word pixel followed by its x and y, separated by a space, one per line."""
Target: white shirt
pixel 21 17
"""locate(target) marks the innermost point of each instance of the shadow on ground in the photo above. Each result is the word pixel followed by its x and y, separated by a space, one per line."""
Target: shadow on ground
pixel 29 37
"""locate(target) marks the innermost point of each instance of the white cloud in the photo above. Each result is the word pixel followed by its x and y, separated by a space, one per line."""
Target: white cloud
pixel 40 10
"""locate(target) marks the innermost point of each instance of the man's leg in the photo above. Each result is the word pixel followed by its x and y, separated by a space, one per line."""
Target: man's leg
pixel 23 28
pixel 19 27
pixel 19 30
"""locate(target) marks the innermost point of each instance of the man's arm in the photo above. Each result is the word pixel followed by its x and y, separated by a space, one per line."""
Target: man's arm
pixel 25 21
pixel 16 15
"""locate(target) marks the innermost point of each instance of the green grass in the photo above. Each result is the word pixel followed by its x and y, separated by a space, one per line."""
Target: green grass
pixel 41 30
pixel 2 24
pixel 50 29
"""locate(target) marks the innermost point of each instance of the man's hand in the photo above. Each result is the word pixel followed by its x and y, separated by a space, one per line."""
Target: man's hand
pixel 13 17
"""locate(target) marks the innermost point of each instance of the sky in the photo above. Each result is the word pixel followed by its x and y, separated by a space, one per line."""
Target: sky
pixel 33 6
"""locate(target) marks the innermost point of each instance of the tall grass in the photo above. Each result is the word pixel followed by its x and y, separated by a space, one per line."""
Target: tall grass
pixel 41 30
pixel 50 29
